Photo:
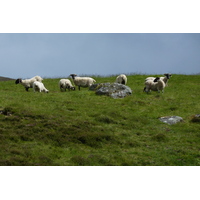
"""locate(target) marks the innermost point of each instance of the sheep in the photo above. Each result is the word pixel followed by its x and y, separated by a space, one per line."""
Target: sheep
pixel 28 83
pixel 165 78
pixel 156 85
pixel 65 84
pixel 39 86
pixel 82 81
pixel 122 79
pixel 149 78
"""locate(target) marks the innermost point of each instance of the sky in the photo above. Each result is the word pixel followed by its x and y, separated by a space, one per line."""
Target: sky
pixel 54 55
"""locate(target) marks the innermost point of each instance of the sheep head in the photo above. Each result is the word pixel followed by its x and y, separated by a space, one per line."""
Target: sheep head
pixel 19 80
pixel 168 75
pixel 73 75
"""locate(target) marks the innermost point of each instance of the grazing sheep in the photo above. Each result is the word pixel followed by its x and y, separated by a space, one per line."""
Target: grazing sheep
pixel 165 78
pixel 156 85
pixel 82 81
pixel 28 83
pixel 39 87
pixel 66 84
pixel 122 79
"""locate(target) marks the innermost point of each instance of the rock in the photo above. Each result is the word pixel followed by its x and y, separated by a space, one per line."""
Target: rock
pixel 94 87
pixel 196 118
pixel 114 90
pixel 171 119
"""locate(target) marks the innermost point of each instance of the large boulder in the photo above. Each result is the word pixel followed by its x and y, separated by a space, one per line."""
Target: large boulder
pixel 114 90
pixel 171 119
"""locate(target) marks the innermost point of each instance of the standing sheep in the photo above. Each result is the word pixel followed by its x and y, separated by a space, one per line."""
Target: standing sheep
pixel 165 78
pixel 28 83
pixel 82 81
pixel 156 85
pixel 122 79
pixel 39 87
pixel 66 84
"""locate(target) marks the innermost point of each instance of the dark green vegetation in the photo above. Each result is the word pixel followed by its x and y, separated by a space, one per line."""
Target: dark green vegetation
pixel 80 128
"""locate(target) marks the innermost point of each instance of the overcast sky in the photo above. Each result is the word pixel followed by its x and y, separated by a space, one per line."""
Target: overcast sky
pixel 60 54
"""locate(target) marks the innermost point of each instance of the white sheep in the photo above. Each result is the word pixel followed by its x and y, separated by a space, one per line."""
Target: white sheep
pixel 82 81
pixel 149 78
pixel 122 79
pixel 66 84
pixel 156 85
pixel 165 78
pixel 28 83
pixel 39 87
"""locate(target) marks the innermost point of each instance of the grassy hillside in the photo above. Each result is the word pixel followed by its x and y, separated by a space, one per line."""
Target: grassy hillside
pixel 80 128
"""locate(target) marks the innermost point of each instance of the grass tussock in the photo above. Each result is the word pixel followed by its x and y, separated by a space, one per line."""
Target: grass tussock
pixel 79 128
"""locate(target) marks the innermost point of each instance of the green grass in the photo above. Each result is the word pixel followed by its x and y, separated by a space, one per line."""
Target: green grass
pixel 80 128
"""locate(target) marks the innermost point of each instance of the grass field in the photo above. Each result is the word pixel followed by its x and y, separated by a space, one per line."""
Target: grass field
pixel 80 128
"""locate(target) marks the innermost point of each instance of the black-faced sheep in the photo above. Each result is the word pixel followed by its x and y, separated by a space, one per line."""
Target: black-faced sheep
pixel 65 84
pixel 165 78
pixel 28 83
pixel 156 85
pixel 82 81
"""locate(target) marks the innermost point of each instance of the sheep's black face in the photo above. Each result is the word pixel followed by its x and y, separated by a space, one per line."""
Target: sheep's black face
pixel 168 76
pixel 73 75
pixel 18 81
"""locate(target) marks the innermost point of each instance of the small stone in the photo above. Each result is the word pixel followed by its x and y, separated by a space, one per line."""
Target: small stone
pixel 196 118
pixel 171 119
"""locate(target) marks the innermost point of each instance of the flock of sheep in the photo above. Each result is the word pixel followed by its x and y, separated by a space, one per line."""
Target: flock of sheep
pixel 151 83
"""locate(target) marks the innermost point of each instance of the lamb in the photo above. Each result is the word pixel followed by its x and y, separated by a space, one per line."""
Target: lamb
pixel 156 85
pixel 28 83
pixel 82 81
pixel 65 84
pixel 122 79
pixel 39 86
pixel 165 78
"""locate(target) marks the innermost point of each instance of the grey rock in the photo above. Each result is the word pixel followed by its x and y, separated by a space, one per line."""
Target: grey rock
pixel 114 90
pixel 94 87
pixel 196 118
pixel 171 119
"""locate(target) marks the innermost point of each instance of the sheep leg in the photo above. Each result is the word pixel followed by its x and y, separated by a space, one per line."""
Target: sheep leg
pixel 79 87
pixel 146 90
pixel 27 88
